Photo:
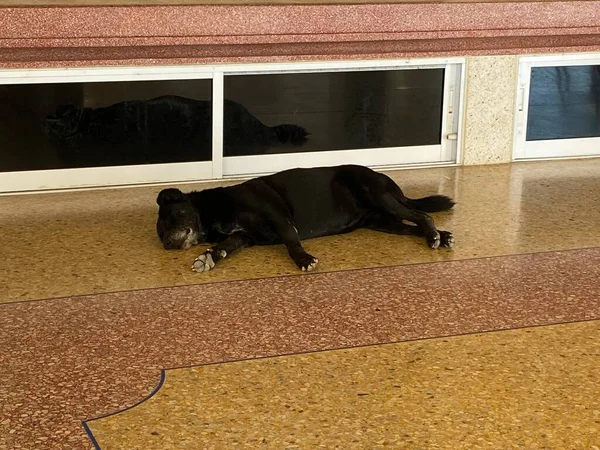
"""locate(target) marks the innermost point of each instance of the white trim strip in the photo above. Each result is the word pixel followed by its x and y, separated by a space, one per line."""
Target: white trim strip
pixel 561 148
pixel 562 59
pixel 205 71
pixel 103 74
pixel 379 157
pixel 39 180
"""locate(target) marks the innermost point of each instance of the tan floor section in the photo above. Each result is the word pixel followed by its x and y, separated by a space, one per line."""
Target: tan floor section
pixel 81 242
pixel 533 388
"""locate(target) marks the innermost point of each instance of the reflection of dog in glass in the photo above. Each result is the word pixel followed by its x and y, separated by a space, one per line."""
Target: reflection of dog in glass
pixel 290 206
pixel 160 130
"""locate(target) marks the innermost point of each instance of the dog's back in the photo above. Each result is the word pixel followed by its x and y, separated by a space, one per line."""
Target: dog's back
pixel 323 200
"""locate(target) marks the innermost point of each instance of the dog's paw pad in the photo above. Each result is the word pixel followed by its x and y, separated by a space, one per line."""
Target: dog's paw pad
pixel 447 239
pixel 203 263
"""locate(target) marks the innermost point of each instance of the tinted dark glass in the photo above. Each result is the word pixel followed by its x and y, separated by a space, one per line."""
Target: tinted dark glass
pixel 54 126
pixel 564 102
pixel 337 110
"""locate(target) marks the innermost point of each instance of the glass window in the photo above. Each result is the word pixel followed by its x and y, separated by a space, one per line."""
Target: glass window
pixel 56 126
pixel 564 102
pixel 308 112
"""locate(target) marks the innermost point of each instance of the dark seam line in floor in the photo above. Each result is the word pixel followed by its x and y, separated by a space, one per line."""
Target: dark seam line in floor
pixel 400 341
pixel 305 274
pixel 152 393
pixel 90 435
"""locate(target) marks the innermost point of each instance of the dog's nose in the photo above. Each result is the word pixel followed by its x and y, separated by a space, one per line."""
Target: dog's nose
pixel 169 244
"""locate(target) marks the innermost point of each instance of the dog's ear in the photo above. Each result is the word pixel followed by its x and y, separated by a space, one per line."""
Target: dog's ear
pixel 170 195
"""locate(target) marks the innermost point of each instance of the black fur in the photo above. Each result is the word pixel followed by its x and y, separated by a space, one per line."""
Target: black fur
pixel 290 206
pixel 289 134
pixel 160 130
pixel 433 203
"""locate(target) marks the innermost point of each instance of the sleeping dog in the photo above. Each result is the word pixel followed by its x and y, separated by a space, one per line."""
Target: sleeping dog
pixel 290 206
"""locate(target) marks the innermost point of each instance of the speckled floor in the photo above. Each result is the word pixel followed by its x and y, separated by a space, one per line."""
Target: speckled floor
pixel 527 255
pixel 528 388
pixel 76 243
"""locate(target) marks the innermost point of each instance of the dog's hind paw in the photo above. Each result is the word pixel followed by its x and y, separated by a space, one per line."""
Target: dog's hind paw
pixel 446 239
pixel 203 263
pixel 307 263
pixel 434 240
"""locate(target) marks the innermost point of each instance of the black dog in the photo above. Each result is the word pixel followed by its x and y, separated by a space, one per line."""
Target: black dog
pixel 290 206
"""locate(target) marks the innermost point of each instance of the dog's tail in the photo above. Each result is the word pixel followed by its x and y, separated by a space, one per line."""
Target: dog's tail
pixel 433 203
pixel 290 134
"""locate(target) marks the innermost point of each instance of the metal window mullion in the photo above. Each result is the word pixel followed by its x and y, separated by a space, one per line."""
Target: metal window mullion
pixel 450 111
pixel 218 100
pixel 521 110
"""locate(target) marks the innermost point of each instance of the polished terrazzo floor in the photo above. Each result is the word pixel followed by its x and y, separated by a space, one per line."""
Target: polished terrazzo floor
pixel 74 243
pixel 389 344
pixel 498 390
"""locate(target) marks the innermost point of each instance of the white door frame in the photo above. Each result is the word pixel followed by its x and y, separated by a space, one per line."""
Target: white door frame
pixel 524 150
pixel 447 152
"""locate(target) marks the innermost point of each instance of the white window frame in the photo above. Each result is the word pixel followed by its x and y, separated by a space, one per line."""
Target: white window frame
pixel 445 153
pixel 524 150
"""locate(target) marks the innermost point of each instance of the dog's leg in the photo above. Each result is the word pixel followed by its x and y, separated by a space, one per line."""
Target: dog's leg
pixel 289 236
pixel 390 205
pixel 207 260
pixel 387 224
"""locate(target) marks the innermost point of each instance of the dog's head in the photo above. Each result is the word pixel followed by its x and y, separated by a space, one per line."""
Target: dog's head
pixel 178 224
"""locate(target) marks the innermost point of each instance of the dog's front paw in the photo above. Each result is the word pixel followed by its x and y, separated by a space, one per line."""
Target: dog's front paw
pixel 447 239
pixel 306 262
pixel 203 263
